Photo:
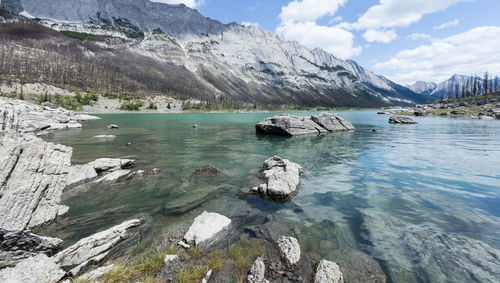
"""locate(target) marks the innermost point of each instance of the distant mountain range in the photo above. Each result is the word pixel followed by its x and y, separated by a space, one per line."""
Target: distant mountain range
pixel 142 47
pixel 440 90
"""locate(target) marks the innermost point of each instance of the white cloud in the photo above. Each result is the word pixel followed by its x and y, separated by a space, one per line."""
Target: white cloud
pixel 332 39
pixel 471 52
pixel 384 36
pixel 298 22
pixel 419 36
pixel 190 3
pixel 250 24
pixel 398 13
pixel 453 23
pixel 309 10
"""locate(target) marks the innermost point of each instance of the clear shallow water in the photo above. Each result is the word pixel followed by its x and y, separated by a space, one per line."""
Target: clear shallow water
pixel 387 198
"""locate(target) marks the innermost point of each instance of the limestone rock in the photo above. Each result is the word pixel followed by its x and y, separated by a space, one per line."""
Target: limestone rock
pixel 111 164
pixel 112 177
pixel 257 272
pixel 39 268
pixel 113 127
pixel 170 258
pixel 205 227
pixel 32 177
pixel 289 250
pixel 85 117
pixel 290 125
pixel 16 245
pixel 282 178
pixel 328 272
pixel 95 248
pixel 401 120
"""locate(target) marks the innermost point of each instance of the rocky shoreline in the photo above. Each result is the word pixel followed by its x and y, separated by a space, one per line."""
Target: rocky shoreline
pixel 482 109
pixel 35 174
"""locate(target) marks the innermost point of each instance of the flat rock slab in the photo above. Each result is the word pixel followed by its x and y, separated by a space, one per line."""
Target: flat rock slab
pixel 328 272
pixel 95 248
pixel 291 125
pixel 205 227
pixel 289 250
pixel 401 120
pixel 281 179
pixel 39 268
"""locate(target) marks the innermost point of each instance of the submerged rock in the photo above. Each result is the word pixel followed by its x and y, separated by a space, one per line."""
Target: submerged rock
pixel 257 272
pixel 103 138
pixel 111 164
pixel 282 178
pixel 289 250
pixel 95 248
pixel 290 125
pixel 16 245
pixel 328 272
pixel 210 170
pixel 401 120
pixel 206 228
pixel 39 268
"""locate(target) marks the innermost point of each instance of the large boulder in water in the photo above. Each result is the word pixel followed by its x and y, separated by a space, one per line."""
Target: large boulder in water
pixel 401 120
pixel 291 125
pixel 282 178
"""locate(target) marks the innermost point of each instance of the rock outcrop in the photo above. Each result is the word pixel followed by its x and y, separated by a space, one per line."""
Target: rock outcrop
pixel 328 272
pixel 22 117
pixel 32 179
pixel 289 250
pixel 290 125
pixel 401 120
pixel 95 248
pixel 16 245
pixel 281 179
pixel 35 269
pixel 206 228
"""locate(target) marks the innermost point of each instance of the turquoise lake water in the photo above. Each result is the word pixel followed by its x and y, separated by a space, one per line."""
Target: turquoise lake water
pixel 421 201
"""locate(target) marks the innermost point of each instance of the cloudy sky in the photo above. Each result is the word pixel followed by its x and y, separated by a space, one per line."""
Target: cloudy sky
pixel 405 40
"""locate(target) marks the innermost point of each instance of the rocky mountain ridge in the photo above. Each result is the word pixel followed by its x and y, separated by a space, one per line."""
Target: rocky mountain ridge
pixel 225 61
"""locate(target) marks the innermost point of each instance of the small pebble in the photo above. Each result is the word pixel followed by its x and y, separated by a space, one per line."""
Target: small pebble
pixel 195 126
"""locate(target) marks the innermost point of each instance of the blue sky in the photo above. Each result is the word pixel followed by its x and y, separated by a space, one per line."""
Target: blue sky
pixel 406 40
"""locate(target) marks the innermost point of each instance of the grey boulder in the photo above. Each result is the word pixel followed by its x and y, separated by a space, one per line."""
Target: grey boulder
pixel 328 272
pixel 257 272
pixel 111 164
pixel 291 125
pixel 289 250
pixel 205 228
pixel 401 120
pixel 281 179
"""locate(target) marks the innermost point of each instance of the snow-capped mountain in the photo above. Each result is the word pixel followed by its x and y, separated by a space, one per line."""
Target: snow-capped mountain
pixel 226 60
pixel 425 88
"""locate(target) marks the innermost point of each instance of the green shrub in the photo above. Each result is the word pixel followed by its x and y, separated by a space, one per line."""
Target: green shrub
pixel 79 35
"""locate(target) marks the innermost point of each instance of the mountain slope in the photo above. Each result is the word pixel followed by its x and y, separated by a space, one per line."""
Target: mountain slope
pixel 424 88
pixel 219 61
